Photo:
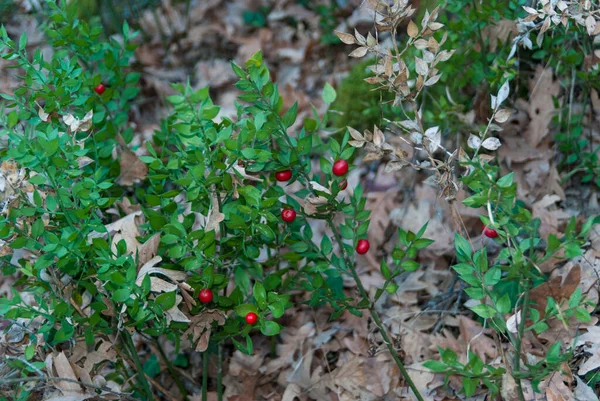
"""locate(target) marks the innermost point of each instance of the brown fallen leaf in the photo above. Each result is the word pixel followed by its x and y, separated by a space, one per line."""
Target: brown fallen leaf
pixel 543 88
pixel 558 288
pixel 133 170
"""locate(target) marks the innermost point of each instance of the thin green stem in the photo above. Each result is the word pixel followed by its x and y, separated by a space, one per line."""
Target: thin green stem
pixel 126 337
pixel 171 369
pixel 205 376
pixel 521 330
pixel 219 372
pixel 374 313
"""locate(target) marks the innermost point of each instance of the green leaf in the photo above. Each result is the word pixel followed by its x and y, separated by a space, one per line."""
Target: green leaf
pixel 470 385
pixel 166 300
pixel 244 309
pixel 260 295
pixel 435 366
pixel 506 181
pixel 269 328
pixel 583 315
pixel 484 311
pixel 290 116
pixel 277 309
pixel 463 248
pixel 251 194
pixel 329 93
pixel 23 41
pixel 410 265
pixel 385 270
pixel 121 295
pixel 503 304
pixel 326 246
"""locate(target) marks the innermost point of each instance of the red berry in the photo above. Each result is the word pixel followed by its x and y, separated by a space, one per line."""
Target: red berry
pixel 206 295
pixel 340 167
pixel 284 175
pixel 343 185
pixel 100 89
pixel 288 215
pixel 490 232
pixel 363 246
pixel 251 318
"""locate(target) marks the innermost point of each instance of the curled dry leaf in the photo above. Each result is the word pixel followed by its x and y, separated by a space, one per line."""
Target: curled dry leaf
pixel 83 161
pixel 175 314
pixel 434 136
pixel 45 117
pixel 126 229
pixel 159 284
pixel 318 187
pixel 201 327
pixel 242 171
pixel 214 215
pixel 502 95
pixel 76 125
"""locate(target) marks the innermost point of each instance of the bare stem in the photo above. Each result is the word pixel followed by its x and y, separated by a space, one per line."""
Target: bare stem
pixel 517 363
pixel 374 314
pixel 205 375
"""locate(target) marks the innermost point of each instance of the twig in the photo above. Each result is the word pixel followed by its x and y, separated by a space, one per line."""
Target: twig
pixel 6 382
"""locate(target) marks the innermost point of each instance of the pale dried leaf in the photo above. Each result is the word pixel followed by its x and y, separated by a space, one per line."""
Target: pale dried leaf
pixel 502 115
pixel 318 187
pixel 45 117
pixel 355 134
pixel 359 52
pixel 148 269
pixel 503 93
pixel 345 37
pixel 378 137
pixel 412 29
pixel 590 25
pixel 433 80
pixel 491 143
pixel 65 370
pixel 474 142
pixel 421 66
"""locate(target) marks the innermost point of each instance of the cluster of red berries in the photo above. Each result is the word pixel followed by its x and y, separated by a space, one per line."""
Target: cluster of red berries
pixel 206 297
pixel 339 169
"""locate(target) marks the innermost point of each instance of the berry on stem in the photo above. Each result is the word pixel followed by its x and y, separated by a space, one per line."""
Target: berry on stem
pixel 251 318
pixel 362 246
pixel 340 167
pixel 288 215
pixel 284 175
pixel 100 89
pixel 343 184
pixel 205 296
pixel 490 232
